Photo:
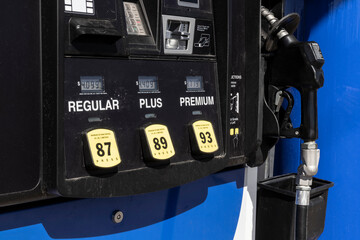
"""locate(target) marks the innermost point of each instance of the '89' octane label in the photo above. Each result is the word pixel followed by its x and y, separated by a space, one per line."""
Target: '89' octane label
pixel 159 142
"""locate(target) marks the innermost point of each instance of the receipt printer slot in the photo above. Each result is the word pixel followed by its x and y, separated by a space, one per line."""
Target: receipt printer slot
pixel 93 30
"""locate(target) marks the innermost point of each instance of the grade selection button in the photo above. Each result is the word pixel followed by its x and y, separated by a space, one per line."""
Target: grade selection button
pixel 157 144
pixel 101 150
pixel 203 139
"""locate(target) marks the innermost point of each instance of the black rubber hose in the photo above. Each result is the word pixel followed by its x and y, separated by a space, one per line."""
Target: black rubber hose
pixel 301 225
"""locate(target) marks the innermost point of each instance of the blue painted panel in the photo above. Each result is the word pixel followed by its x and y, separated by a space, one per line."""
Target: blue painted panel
pixel 335 24
pixel 205 209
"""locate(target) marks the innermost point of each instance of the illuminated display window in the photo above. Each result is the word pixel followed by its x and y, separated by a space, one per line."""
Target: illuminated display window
pixel 148 84
pixel 194 83
pixel 92 84
pixel 80 6
pixel 189 3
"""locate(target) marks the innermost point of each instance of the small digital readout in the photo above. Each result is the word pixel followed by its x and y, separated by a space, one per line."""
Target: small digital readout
pixel 194 83
pixel 189 3
pixel 92 84
pixel 148 84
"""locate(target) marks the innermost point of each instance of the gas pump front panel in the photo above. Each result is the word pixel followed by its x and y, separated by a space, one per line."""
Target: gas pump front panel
pixel 132 96
pixel 141 104
pixel 143 95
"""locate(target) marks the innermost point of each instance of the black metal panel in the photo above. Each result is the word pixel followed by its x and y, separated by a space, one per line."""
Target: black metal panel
pixel 236 77
pixel 235 62
pixel 20 97
pixel 254 86
pixel 238 51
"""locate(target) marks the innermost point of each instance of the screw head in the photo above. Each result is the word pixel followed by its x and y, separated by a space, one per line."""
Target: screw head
pixel 117 216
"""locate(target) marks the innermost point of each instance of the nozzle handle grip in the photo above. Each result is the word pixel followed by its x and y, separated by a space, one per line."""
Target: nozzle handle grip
pixel 309 116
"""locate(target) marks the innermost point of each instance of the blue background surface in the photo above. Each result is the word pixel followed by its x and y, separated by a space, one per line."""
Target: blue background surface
pixel 335 25
pixel 205 209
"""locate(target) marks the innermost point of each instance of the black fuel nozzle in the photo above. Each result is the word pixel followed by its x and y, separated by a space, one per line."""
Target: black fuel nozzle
pixel 299 66
pixel 295 64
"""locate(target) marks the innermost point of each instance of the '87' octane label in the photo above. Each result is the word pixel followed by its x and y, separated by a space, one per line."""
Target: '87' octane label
pixel 103 148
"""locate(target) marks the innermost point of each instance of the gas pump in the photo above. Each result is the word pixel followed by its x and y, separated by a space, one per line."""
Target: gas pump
pixel 126 97
pixel 132 96
pixel 294 64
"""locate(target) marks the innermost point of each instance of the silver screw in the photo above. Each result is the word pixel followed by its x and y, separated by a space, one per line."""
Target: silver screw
pixel 297 133
pixel 117 216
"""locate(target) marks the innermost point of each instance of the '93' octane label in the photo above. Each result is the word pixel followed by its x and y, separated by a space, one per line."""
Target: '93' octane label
pixel 205 136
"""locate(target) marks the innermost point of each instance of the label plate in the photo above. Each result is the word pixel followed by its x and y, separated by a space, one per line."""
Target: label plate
pixel 103 148
pixel 205 136
pixel 159 142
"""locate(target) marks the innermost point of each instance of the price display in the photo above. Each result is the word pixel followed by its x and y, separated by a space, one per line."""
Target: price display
pixel 148 84
pixel 194 83
pixel 159 142
pixel 104 152
pixel 205 136
pixel 92 84
pixel 189 3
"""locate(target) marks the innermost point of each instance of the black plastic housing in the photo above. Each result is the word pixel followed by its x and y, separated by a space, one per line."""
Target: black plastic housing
pixel 275 217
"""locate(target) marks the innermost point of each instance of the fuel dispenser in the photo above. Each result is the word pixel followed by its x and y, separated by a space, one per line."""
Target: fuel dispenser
pixel 130 96
pixel 121 97
pixel 292 63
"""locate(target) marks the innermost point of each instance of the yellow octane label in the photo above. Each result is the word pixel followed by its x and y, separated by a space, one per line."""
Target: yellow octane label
pixel 159 141
pixel 103 148
pixel 205 136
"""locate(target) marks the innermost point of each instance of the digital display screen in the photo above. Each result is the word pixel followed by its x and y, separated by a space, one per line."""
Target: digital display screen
pixel 92 84
pixel 148 84
pixel 80 6
pixel 194 83
pixel 189 3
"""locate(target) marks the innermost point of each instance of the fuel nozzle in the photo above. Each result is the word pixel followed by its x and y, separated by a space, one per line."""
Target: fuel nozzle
pixel 297 64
